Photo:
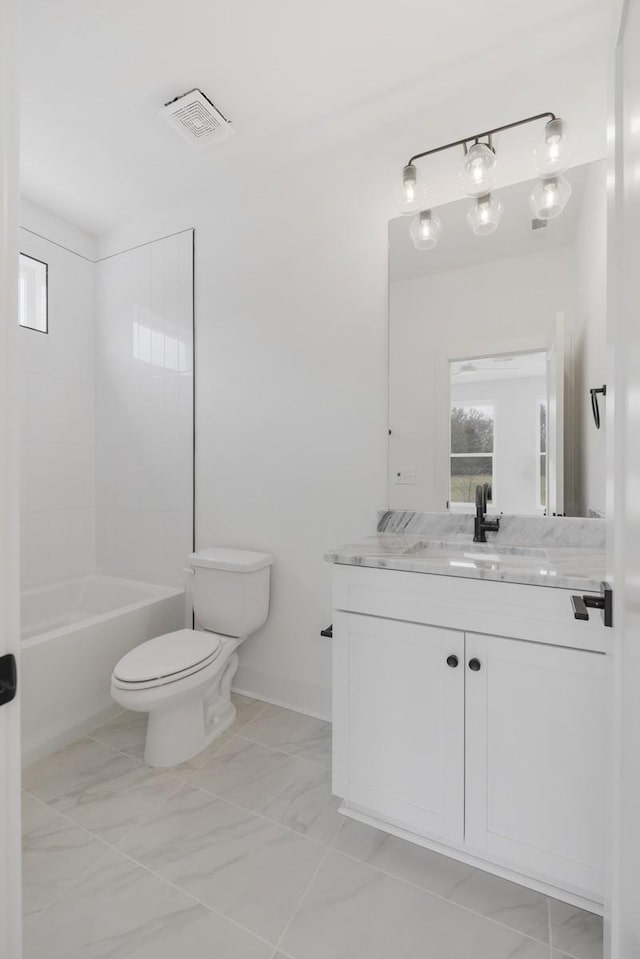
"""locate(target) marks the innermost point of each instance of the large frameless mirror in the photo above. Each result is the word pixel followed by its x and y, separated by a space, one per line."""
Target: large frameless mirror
pixel 495 343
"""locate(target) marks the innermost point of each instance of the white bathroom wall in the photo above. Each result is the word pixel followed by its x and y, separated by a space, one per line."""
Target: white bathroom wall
pixel 57 478
pixel 452 315
pixel 590 345
pixel 291 325
pixel 144 410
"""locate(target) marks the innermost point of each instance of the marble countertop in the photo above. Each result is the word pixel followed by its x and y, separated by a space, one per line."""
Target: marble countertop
pixel 579 567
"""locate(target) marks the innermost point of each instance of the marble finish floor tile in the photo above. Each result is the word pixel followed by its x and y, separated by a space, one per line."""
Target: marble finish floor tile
pixel 121 911
pixel 575 932
pixel 127 731
pixel 433 872
pixel 98 788
pixel 241 865
pixel 294 792
pixel 506 902
pixel 54 854
pixel 352 911
pixel 293 733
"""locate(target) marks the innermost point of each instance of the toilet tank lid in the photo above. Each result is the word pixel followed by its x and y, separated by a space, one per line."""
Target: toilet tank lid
pixel 237 560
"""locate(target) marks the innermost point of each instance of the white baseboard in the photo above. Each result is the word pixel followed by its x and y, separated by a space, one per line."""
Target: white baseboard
pixel 306 698
pixel 281 703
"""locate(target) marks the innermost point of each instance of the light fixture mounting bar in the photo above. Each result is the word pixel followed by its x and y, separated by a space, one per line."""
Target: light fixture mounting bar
pixel 480 136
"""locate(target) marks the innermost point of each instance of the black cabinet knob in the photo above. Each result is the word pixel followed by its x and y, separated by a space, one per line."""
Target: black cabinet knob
pixel 474 664
pixel 452 661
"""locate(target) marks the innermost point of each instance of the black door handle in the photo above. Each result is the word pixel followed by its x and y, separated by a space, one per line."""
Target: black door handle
pixel 8 678
pixel 452 661
pixel 474 664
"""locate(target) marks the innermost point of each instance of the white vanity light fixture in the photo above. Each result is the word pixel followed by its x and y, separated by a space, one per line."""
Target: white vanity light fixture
pixel 411 193
pixel 425 230
pixel 485 214
pixel 478 173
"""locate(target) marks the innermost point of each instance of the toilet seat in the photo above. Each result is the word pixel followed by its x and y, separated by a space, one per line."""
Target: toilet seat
pixel 167 659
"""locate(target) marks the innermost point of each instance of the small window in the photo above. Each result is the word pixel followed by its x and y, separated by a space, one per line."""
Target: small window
pixel 33 281
pixel 472 449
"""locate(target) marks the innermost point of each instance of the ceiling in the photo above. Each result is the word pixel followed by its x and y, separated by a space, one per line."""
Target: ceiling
pixel 286 72
pixel 458 247
pixel 492 369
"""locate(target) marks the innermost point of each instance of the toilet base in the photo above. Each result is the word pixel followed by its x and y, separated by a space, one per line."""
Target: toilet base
pixel 175 735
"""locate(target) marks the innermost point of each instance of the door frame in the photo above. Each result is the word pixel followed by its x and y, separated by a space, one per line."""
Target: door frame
pixel 10 852
pixel 622 920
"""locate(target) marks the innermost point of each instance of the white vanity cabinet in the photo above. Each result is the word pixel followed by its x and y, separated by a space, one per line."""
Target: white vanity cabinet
pixel 489 745
pixel 403 721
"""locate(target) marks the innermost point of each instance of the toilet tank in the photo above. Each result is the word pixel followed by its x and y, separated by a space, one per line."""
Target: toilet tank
pixel 230 590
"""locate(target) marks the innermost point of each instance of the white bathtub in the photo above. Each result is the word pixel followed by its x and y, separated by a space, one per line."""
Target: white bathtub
pixel 73 634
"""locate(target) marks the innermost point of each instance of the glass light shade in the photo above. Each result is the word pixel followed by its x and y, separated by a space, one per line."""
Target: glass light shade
pixel 485 214
pixel 478 170
pixel 411 192
pixel 551 156
pixel 549 197
pixel 425 230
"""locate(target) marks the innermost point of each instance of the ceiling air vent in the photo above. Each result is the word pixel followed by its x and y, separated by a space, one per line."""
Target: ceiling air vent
pixel 196 119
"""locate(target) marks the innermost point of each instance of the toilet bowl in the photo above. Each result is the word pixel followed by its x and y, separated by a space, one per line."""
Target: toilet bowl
pixel 183 679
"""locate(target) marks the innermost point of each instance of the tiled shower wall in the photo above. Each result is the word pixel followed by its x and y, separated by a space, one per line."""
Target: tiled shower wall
pixel 144 410
pixel 57 485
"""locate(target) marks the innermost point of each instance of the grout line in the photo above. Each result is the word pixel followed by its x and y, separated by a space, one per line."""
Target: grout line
pixel 182 783
pixel 259 815
pixel 112 847
pixel 149 814
pixel 27 920
pixel 435 895
pixel 327 847
pixel 190 895
pixel 301 900
pixel 241 734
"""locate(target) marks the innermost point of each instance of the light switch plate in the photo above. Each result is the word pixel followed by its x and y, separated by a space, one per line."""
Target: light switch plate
pixel 404 477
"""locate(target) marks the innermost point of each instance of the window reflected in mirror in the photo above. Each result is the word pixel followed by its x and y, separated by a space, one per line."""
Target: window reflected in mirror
pixel 498 431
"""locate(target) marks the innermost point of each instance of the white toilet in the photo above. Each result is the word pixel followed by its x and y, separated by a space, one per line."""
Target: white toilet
pixel 183 679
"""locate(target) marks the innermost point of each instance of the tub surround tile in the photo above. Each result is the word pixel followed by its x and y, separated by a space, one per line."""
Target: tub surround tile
pixel 100 789
pixel 55 853
pixel 354 911
pixel 121 911
pixel 575 932
pixel 243 866
pixel 505 902
pixel 290 732
pixel 294 792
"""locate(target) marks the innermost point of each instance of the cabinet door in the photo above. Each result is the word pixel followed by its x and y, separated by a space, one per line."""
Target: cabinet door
pixel 537 729
pixel 399 722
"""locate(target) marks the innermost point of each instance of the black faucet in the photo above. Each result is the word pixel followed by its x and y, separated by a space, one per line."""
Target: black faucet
pixel 481 525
